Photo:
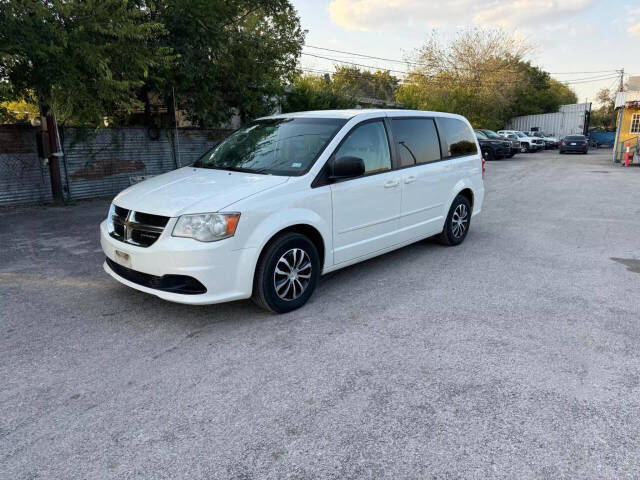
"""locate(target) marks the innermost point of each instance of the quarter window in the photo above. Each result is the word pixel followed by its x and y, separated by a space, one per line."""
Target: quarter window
pixel 368 142
pixel 635 123
pixel 417 140
pixel 458 137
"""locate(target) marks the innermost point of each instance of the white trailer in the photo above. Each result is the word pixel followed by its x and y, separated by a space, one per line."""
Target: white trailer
pixel 571 119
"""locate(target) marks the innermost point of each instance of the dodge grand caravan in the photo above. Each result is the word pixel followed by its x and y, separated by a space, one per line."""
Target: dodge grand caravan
pixel 290 197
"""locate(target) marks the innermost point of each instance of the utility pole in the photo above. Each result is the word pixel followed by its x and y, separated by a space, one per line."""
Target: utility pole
pixel 621 89
pixel 54 156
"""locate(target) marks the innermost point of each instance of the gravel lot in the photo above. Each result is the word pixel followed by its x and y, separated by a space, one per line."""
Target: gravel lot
pixel 515 355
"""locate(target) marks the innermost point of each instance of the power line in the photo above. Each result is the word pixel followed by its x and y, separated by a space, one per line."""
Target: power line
pixel 496 83
pixel 408 62
pixel 403 72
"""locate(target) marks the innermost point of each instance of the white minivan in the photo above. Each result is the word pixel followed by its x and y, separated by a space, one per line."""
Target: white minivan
pixel 290 197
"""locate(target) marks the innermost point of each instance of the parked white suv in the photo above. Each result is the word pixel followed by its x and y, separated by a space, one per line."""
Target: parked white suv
pixel 527 143
pixel 290 197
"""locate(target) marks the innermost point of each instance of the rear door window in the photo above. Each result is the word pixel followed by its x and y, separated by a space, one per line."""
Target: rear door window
pixel 417 140
pixel 457 138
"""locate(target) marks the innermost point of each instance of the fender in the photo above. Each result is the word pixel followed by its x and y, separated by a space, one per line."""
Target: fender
pixel 282 220
pixel 462 184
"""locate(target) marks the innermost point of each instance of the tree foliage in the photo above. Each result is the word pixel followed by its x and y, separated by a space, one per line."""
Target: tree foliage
pixel 315 92
pixel 233 55
pixel 537 92
pixel 379 85
pixel 605 115
pixel 85 57
pixel 482 75
pixel 96 58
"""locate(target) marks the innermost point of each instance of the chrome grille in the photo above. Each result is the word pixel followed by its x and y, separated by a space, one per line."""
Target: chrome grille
pixel 136 228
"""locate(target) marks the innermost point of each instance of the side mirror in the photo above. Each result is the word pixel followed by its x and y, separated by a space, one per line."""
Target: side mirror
pixel 346 167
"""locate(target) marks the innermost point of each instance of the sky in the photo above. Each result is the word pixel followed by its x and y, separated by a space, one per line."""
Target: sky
pixel 570 38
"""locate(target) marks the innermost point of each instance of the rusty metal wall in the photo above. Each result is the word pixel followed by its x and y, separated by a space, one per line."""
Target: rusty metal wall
pixel 96 162
pixel 106 161
pixel 24 177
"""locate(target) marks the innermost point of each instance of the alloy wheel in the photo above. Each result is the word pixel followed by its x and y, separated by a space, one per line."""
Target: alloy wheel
pixel 292 274
pixel 460 220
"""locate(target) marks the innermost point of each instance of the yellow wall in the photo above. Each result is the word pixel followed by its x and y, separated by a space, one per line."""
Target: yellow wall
pixel 625 125
pixel 623 132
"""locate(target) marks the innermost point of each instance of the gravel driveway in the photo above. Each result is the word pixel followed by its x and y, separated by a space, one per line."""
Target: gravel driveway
pixel 515 355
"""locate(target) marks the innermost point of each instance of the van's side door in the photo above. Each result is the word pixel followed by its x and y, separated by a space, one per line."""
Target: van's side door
pixel 366 209
pixel 424 176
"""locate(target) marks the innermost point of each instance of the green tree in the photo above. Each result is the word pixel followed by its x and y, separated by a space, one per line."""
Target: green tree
pixel 605 115
pixel 537 92
pixel 315 92
pixel 380 84
pixel 482 75
pixel 235 56
pixel 86 58
pixel 475 75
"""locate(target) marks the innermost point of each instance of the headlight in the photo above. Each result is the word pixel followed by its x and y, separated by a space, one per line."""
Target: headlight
pixel 112 212
pixel 207 227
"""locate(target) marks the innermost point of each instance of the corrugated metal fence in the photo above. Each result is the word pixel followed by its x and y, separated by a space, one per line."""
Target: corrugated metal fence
pixel 96 163
pixel 24 177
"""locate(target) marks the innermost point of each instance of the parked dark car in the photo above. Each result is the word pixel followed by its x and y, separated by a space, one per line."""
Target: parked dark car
pixel 493 148
pixel 574 143
pixel 514 141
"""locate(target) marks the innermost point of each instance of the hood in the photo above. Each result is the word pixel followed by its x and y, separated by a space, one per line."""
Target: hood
pixel 193 190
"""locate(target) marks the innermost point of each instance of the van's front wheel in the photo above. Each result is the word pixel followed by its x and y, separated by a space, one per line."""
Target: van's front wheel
pixel 287 273
pixel 457 223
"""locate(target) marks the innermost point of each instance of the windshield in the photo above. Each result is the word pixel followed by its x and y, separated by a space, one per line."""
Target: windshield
pixel 491 134
pixel 280 146
pixel 520 134
pixel 481 135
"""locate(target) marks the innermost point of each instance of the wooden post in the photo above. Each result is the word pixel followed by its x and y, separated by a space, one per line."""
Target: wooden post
pixel 54 160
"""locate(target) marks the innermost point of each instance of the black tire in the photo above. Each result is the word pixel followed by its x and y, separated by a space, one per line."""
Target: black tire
pixel 510 155
pixel 525 148
pixel 264 283
pixel 448 236
pixel 488 155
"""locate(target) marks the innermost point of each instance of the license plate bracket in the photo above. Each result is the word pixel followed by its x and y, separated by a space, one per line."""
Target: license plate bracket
pixel 122 258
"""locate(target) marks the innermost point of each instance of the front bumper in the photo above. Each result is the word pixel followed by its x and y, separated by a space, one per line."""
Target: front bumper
pixel 225 270
pixel 502 150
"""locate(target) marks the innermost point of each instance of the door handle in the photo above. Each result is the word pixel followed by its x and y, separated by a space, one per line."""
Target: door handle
pixel 410 179
pixel 391 184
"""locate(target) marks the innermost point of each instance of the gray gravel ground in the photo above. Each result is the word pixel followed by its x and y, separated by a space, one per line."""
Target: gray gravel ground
pixel 515 355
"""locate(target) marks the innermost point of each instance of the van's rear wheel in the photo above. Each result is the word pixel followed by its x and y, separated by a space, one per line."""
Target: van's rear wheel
pixel 457 224
pixel 287 273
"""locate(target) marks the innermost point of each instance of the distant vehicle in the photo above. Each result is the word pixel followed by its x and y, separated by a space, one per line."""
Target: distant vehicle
pixel 527 143
pixel 574 143
pixel 599 138
pixel 492 145
pixel 515 143
pixel 549 140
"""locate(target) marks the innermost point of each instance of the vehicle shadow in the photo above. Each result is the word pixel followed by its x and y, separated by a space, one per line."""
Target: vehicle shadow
pixel 126 302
